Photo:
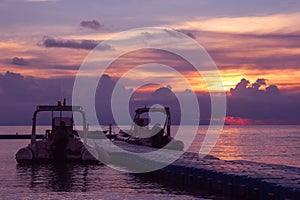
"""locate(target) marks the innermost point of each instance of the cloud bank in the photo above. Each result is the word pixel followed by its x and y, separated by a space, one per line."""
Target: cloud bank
pixel 248 103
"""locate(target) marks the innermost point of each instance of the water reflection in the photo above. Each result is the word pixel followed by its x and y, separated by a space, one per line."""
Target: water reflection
pixel 60 177
pixel 268 144
pixel 75 181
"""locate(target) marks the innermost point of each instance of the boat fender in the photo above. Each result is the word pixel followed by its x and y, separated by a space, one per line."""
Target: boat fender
pixel 24 154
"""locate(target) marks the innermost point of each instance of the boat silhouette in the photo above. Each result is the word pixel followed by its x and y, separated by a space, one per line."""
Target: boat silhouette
pixel 157 136
pixel 61 143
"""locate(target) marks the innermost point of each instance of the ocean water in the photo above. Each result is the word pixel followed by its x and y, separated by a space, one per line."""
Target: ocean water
pixel 74 181
pixel 270 144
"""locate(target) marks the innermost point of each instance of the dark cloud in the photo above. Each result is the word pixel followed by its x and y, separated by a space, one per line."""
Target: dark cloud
pixel 163 93
pixel 258 102
pixel 191 35
pixel 266 104
pixel 172 33
pixel 188 33
pixel 19 95
pixel 74 44
pixel 103 99
pixel 245 89
pixel 82 44
pixel 147 35
pixel 91 24
pixel 19 61
pixel 166 97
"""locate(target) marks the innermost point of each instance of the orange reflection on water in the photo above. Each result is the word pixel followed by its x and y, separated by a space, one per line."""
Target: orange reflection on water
pixel 260 143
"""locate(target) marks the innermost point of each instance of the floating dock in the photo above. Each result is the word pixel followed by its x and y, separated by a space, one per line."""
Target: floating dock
pixel 233 179
pixel 20 136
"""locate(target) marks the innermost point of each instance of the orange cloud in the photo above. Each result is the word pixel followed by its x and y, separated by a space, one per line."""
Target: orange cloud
pixel 252 24
pixel 252 47
pixel 241 121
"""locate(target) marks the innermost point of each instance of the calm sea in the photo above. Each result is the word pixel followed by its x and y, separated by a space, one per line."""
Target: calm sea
pixel 270 144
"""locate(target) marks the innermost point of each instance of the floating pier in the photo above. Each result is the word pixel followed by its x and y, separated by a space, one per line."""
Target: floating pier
pixel 20 136
pixel 234 179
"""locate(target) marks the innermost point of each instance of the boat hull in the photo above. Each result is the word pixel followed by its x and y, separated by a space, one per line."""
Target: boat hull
pixel 44 153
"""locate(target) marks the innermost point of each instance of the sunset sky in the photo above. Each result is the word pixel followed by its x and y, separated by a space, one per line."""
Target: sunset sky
pixel 44 42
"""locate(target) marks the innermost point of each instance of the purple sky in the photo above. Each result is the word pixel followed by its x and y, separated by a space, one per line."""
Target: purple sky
pixel 255 45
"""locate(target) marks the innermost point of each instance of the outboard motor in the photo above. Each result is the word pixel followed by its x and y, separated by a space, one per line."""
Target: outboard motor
pixel 60 142
pixel 159 140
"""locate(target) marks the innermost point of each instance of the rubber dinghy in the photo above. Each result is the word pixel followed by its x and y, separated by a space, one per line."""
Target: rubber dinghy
pixel 62 142
pixel 156 135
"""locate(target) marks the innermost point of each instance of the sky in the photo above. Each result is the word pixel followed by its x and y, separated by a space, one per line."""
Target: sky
pixel 255 45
